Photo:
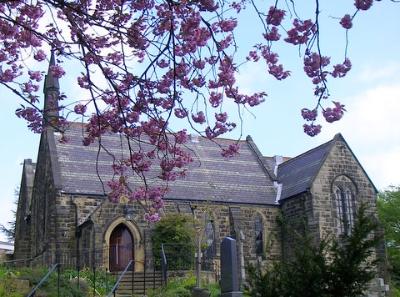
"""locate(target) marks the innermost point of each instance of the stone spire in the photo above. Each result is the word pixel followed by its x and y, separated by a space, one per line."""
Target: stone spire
pixel 51 92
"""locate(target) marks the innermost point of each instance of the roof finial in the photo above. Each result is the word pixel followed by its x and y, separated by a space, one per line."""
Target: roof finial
pixel 51 82
pixel 51 92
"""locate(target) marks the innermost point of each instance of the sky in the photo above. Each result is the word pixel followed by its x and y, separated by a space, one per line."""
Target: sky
pixel 371 93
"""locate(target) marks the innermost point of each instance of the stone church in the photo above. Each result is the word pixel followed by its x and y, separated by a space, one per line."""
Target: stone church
pixel 63 212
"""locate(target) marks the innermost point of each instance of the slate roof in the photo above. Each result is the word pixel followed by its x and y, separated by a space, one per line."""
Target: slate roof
pixel 297 174
pixel 242 179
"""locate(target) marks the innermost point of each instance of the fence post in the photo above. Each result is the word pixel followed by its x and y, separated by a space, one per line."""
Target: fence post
pixel 107 288
pixel 132 278
pixel 94 280
pixel 58 280
pixel 145 266
pixel 154 275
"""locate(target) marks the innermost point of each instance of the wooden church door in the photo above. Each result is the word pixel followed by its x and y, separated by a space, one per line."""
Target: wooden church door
pixel 121 248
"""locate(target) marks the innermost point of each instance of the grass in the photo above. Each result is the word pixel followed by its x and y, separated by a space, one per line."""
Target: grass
pixel 182 287
pixel 11 284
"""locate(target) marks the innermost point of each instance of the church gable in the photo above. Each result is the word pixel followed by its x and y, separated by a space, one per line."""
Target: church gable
pixel 339 188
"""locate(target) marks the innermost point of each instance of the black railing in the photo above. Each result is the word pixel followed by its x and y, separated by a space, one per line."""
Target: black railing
pixel 44 279
pixel 164 265
pixel 115 288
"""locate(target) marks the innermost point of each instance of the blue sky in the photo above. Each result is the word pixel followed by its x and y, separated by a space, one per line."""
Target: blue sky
pixel 371 93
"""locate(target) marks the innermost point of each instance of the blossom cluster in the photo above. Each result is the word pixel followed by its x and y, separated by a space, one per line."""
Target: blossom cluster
pixel 188 69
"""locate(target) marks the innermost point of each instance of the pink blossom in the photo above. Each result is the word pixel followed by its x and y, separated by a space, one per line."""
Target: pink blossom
pixel 312 130
pixel 226 72
pixel 255 98
pixel 32 116
pixel 83 82
pixel 221 117
pixel 80 109
pixel 162 63
pixel 32 12
pixel 309 115
pixel 199 64
pixel 35 75
pixel 227 25
pixel 231 151
pixel 208 5
pixel 335 113
pixel 152 217
pixel 8 75
pixel 363 4
pixel 278 72
pixel 199 117
pixel 346 22
pixel 253 56
pixel 29 87
pixel 301 32
pixel 275 16
pixel 340 70
pixel 272 35
pixel 39 55
pixel 57 71
pixel 313 63
pixel 215 99
pixel 181 136
pixel 180 113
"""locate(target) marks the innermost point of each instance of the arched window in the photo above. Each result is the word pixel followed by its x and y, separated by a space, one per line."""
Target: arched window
pixel 259 236
pixel 209 233
pixel 345 209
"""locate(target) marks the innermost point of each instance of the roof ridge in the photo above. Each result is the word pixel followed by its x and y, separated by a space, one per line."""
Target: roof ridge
pixel 308 152
pixel 80 124
pixel 253 147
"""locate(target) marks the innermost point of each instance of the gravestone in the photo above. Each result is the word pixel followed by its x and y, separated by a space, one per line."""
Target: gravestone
pixel 229 269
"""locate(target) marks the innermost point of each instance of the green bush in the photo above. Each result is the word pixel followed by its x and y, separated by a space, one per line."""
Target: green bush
pixel 336 267
pixel 176 232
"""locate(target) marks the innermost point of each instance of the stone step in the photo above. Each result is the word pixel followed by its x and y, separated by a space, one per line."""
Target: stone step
pixel 141 280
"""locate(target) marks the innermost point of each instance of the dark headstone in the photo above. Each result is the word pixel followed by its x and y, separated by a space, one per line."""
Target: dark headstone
pixel 229 269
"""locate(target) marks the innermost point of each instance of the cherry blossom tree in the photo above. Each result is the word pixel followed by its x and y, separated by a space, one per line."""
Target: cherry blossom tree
pixel 159 60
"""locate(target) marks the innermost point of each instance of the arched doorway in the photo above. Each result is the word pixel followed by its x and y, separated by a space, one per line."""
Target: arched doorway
pixel 121 248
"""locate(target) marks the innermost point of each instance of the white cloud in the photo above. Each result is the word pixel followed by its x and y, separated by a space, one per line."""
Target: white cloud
pixel 370 73
pixel 372 128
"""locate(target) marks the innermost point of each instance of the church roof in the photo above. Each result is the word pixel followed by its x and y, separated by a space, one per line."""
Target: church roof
pixel 297 174
pixel 242 179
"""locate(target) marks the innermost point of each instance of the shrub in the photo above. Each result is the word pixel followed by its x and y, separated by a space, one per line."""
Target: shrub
pixel 176 232
pixel 336 267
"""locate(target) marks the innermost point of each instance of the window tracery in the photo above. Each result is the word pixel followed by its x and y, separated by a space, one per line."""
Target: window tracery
pixel 344 196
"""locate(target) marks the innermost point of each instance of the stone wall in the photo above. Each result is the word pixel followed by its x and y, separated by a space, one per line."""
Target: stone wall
pixel 243 220
pixel 297 220
pixel 96 218
pixel 340 162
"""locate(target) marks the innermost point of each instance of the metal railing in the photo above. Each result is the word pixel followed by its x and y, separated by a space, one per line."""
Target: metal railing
pixel 44 279
pixel 115 288
pixel 164 265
